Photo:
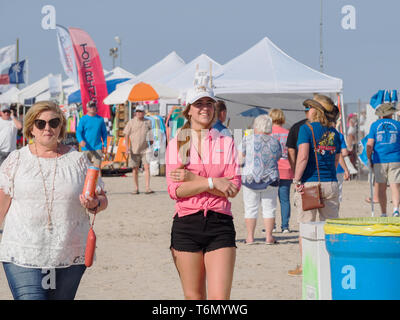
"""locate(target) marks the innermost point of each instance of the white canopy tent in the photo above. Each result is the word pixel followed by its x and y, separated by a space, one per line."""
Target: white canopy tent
pixel 183 79
pixel 118 73
pixel 35 89
pixel 265 76
pixel 10 96
pixel 164 68
pixel 168 65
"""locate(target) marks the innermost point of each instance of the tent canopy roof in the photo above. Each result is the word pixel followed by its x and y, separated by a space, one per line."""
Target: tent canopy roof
pixel 168 65
pixel 183 79
pixel 10 96
pixel 264 68
pixel 34 89
pixel 118 73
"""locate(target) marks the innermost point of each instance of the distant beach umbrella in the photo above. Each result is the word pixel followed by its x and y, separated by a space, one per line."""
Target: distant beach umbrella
pixel 141 92
pixel 253 112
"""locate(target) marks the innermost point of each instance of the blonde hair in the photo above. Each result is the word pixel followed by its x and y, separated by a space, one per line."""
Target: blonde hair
pixel 184 139
pixel 34 112
pixel 277 116
pixel 319 116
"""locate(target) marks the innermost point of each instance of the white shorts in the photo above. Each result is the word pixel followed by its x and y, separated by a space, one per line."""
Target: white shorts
pixel 253 198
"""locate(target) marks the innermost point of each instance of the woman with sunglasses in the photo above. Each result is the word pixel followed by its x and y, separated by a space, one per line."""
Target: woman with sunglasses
pixel 202 174
pixel 45 219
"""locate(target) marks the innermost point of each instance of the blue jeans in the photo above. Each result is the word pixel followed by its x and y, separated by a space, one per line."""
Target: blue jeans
pixel 43 284
pixel 284 200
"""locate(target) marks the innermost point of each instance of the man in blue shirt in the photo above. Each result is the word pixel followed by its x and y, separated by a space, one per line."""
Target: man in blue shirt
pixel 92 134
pixel 220 109
pixel 383 152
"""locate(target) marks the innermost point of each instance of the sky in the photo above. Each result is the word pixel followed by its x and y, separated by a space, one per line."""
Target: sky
pixel 366 58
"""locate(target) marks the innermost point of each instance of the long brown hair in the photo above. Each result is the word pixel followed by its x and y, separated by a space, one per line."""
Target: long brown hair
pixel 184 136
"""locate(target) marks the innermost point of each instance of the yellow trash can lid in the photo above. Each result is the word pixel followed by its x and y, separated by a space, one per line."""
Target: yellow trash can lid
pixel 371 226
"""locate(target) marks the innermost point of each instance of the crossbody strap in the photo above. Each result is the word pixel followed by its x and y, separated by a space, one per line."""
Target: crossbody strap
pixel 315 148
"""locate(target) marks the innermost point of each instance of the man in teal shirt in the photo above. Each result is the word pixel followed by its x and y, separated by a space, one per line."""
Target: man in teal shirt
pixel 92 134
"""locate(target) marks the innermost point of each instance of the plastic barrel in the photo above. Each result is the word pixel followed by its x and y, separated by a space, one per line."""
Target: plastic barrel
pixel 364 255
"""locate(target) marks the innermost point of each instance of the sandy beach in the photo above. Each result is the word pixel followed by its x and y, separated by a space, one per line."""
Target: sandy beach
pixel 134 261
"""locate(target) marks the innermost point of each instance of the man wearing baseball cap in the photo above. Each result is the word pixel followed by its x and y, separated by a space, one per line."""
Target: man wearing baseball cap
pixel 9 126
pixel 92 134
pixel 137 134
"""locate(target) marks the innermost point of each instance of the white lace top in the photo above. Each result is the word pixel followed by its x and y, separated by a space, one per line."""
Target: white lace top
pixel 26 239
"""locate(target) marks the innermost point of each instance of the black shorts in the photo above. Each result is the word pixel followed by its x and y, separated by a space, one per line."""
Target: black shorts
pixel 194 232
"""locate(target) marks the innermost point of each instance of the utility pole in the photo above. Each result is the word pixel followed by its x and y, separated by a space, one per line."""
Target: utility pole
pixel 119 42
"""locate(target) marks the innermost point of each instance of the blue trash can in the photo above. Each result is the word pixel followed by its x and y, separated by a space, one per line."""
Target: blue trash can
pixel 364 256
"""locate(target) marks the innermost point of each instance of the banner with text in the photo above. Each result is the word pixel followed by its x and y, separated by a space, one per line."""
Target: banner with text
pixel 90 70
pixel 66 51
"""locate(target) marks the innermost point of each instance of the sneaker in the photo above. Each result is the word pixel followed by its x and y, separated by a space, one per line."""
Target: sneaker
pixel 383 215
pixel 296 272
pixel 396 213
pixel 285 231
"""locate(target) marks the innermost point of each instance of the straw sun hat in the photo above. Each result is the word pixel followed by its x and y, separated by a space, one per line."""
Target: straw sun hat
pixel 385 109
pixel 321 103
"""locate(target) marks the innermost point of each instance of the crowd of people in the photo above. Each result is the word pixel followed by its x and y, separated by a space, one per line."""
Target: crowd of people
pixel 46 219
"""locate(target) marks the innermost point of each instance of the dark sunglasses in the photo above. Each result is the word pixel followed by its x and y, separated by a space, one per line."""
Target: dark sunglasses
pixel 7 111
pixel 53 123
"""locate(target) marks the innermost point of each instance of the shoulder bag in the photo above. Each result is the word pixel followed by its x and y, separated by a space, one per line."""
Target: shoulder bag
pixel 311 198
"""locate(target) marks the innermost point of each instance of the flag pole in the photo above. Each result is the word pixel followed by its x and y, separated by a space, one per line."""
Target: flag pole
pixel 17 57
pixel 27 72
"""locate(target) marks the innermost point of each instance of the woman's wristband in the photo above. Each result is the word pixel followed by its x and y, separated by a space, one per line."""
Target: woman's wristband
pixel 210 183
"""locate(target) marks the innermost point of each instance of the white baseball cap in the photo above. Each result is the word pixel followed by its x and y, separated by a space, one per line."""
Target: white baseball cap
pixel 139 108
pixel 195 94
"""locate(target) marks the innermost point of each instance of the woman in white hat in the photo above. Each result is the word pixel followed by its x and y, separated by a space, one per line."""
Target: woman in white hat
pixel 202 173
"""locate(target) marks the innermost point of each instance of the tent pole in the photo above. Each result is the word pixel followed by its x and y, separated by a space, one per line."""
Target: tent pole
pixel 340 96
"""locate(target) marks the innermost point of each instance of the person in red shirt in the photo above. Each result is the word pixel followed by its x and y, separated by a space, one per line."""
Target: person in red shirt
pixel 202 173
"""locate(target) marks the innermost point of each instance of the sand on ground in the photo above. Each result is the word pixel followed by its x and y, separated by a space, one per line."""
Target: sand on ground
pixel 134 260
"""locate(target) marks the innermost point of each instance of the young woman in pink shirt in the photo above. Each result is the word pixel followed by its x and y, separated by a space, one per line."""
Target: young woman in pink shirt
pixel 202 173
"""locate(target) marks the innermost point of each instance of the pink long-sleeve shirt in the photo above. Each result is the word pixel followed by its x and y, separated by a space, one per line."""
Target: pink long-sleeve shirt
pixel 219 160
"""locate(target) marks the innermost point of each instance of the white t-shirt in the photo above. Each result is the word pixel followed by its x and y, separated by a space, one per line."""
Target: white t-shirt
pixel 8 135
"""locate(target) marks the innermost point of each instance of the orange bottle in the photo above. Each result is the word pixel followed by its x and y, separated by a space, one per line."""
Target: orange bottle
pixel 90 247
pixel 89 187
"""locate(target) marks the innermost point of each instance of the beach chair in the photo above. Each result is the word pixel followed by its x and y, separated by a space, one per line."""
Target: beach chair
pixel 120 159
pixel 109 154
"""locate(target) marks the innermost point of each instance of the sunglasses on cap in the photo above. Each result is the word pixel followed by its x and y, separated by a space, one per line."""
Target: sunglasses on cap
pixel 53 123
